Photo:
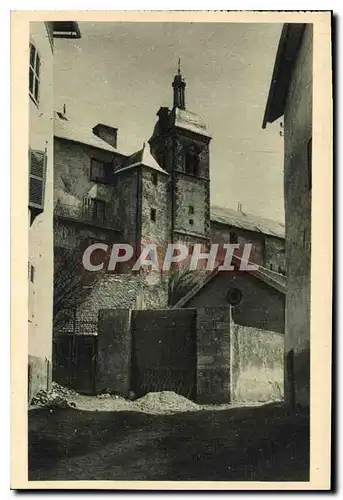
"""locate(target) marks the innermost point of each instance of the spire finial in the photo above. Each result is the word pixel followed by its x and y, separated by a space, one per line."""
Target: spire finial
pixel 179 85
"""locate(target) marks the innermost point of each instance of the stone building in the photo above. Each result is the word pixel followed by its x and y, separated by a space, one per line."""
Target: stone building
pixel 40 208
pixel 290 96
pixel 159 194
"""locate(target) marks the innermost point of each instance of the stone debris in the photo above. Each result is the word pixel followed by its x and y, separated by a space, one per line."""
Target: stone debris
pixel 165 402
pixel 57 397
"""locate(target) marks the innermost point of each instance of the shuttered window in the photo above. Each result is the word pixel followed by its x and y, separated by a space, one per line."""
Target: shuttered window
pixel 34 73
pixel 37 174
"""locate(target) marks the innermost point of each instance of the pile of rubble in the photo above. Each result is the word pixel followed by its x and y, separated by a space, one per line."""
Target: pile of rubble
pixel 165 402
pixel 57 397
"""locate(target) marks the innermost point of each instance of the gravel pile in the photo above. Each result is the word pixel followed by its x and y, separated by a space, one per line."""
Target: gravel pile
pixel 58 397
pixel 165 402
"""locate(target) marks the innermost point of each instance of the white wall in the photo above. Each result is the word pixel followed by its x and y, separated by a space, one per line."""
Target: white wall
pixel 40 232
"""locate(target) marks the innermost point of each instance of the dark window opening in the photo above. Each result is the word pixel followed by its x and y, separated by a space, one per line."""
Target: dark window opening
pixel 154 178
pixel 192 163
pixel 234 296
pixel 191 249
pixel 233 238
pixel 34 73
pixel 190 210
pixel 94 210
pixel 98 170
pixel 32 273
pixel 309 164
pixel 191 221
pixel 153 214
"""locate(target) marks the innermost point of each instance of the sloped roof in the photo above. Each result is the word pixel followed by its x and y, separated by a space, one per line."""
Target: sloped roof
pixel 189 121
pixel 271 278
pixel 141 158
pixel 66 129
pixel 287 51
pixel 238 218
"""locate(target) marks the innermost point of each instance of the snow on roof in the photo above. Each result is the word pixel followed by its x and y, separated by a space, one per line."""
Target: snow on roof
pixel 238 218
pixel 143 157
pixel 66 129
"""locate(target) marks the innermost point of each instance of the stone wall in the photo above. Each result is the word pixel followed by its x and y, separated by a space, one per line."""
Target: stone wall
pixel 213 355
pixel 155 196
pixel 274 252
pixel 256 365
pixel 298 132
pixel 268 251
pixel 200 353
pixel 191 199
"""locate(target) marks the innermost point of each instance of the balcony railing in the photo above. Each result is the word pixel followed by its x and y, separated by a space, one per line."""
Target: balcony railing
pixel 89 214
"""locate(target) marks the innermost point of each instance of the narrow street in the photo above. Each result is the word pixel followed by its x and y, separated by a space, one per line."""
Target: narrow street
pixel 264 443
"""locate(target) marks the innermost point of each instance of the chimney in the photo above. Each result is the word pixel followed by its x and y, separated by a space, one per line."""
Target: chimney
pixel 163 115
pixel 106 133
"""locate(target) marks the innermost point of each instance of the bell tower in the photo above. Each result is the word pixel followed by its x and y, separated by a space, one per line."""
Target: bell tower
pixel 180 144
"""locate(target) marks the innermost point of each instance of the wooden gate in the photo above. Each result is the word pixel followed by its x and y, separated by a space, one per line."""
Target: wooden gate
pixel 164 351
pixel 74 362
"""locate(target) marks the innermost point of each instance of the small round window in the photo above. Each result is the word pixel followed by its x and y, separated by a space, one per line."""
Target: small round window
pixel 234 296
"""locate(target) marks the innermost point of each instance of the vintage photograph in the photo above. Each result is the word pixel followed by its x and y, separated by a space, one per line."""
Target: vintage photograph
pixel 169 271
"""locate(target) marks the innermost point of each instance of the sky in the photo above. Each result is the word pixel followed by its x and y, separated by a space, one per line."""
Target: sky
pixel 121 73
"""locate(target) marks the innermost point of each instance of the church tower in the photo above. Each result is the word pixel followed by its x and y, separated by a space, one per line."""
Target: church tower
pixel 180 145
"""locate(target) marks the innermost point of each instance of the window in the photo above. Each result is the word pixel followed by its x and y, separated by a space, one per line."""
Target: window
pixel 190 209
pixel 154 178
pixel 37 174
pixel 94 210
pixel 98 210
pixel 153 214
pixel 34 73
pixel 233 238
pixel 192 163
pixel 32 273
pixel 234 296
pixel 309 164
pixel 191 221
pixel 98 170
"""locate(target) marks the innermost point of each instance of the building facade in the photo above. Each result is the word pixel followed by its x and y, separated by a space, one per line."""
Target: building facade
pixel 40 209
pixel 290 96
pixel 159 194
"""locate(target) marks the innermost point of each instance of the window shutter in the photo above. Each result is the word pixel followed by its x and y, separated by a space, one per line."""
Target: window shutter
pixel 37 175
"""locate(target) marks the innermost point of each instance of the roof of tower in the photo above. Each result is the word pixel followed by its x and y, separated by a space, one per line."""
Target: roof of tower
pixel 187 120
pixel 142 158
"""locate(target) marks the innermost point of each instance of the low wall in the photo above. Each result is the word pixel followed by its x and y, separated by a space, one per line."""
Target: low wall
pixel 154 350
pixel 39 375
pixel 257 364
